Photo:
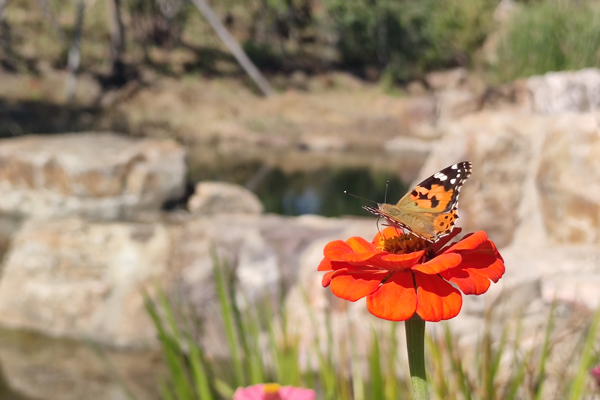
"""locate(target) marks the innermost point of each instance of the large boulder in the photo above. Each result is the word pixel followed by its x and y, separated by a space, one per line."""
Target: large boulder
pixel 535 178
pixel 85 279
pixel 81 279
pixel 96 175
pixel 565 91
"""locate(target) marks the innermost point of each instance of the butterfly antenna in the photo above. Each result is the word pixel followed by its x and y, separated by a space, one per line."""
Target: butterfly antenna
pixel 358 197
pixel 387 185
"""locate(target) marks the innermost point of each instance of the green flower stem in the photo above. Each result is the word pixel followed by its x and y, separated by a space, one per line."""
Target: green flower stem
pixel 415 343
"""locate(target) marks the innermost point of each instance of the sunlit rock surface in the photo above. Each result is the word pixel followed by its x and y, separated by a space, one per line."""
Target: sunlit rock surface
pixel 81 279
pixel 97 175
pixel 223 198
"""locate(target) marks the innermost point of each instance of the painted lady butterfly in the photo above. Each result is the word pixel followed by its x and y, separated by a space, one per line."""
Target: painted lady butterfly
pixel 429 210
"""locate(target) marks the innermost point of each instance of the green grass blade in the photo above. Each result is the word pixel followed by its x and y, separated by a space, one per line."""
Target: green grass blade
pixel 456 364
pixel 376 391
pixel 587 357
pixel 229 321
pixel 435 360
pixel 391 378
pixel 541 375
pixel 199 372
pixel 172 351
pixel 358 382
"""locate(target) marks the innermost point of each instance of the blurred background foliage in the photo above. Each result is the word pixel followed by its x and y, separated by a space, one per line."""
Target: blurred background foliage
pixel 397 41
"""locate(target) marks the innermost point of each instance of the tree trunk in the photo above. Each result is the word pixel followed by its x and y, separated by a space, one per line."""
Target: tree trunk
pixel 49 15
pixel 234 47
pixel 8 60
pixel 117 43
pixel 75 52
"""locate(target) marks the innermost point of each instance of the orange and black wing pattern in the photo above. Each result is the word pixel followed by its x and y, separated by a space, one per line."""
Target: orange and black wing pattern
pixel 430 209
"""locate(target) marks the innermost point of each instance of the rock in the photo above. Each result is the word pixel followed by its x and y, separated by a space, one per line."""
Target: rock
pixel 453 104
pixel 534 177
pixel 416 89
pixel 565 91
pixel 568 179
pixel 446 80
pixel 97 175
pixel 38 367
pixel 80 279
pixel 322 143
pixel 408 147
pixel 211 198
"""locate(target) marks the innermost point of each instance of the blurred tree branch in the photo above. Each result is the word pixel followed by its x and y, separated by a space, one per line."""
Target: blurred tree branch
pixel 75 52
pixel 5 39
pixel 117 44
pixel 234 47
pixel 49 15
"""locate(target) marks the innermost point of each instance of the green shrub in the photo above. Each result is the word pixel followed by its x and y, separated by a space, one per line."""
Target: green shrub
pixel 408 38
pixel 550 36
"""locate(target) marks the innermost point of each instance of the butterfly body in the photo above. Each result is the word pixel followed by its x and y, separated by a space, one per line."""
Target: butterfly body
pixel 430 209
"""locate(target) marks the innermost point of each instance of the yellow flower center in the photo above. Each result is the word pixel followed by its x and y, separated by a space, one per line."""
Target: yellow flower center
pixel 271 387
pixel 404 244
pixel 271 391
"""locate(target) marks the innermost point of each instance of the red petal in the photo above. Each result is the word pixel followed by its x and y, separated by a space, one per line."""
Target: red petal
pixel 325 265
pixel 360 245
pixel 468 280
pixel 339 250
pixel 399 261
pixel 444 240
pixel 327 278
pixel 485 265
pixel 436 298
pixel 476 271
pixel 396 299
pixel 387 233
pixel 439 264
pixel 469 242
pixel 352 286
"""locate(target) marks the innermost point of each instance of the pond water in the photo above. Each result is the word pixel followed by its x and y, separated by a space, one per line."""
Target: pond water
pixel 317 191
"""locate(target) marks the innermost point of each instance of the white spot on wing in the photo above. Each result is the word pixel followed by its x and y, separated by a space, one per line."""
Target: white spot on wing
pixel 453 181
pixel 455 166
pixel 440 176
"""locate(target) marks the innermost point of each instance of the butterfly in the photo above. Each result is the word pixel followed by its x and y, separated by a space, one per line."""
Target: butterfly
pixel 429 211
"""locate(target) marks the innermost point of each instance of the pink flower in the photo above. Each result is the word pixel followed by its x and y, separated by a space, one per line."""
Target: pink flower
pixel 272 391
pixel 596 374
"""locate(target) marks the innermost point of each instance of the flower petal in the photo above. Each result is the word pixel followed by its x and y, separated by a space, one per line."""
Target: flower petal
pixel 468 280
pixel 295 393
pixel 396 299
pixel 387 233
pixel 254 392
pixel 486 265
pixel 475 273
pixel 399 261
pixel 326 280
pixel 436 299
pixel 439 264
pixel 325 265
pixel 469 242
pixel 355 250
pixel 445 239
pixel 351 285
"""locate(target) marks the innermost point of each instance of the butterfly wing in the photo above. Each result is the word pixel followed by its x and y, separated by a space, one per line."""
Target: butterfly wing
pixel 430 209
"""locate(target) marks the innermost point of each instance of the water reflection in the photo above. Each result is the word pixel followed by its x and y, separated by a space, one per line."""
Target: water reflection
pixel 319 191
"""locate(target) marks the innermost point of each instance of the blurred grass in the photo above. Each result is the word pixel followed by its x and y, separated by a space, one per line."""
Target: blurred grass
pixel 498 366
pixel 551 35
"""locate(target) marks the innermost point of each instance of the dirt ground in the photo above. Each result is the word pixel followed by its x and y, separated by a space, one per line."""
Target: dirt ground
pixel 332 119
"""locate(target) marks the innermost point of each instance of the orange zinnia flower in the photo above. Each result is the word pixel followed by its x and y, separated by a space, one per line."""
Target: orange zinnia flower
pixel 401 274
